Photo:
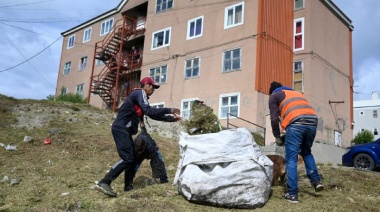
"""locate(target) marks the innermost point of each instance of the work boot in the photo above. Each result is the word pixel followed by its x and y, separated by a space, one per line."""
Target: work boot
pixel 106 189
pixel 291 198
pixel 128 187
pixel 318 186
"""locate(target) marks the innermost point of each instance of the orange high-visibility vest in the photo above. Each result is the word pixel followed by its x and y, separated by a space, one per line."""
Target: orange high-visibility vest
pixel 292 106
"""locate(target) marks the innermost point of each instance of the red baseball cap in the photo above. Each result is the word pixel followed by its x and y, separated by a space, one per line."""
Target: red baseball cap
pixel 149 80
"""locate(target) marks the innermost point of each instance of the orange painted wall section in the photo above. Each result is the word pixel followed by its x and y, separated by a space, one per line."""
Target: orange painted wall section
pixel 274 44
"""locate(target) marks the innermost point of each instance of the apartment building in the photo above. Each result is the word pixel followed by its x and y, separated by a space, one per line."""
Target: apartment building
pixel 225 53
pixel 366 115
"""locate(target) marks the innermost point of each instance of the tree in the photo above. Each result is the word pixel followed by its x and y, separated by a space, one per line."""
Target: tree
pixel 363 137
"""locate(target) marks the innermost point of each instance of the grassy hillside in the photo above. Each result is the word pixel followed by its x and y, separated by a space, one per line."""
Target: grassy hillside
pixel 60 176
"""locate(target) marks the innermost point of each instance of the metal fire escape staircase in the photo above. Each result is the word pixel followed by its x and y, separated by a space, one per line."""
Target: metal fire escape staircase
pixel 118 63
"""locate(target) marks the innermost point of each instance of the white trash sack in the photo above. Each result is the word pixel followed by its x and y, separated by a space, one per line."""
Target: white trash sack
pixel 224 169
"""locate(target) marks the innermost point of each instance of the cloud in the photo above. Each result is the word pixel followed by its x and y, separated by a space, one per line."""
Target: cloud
pixel 368 80
pixel 366 44
pixel 38 78
pixel 33 28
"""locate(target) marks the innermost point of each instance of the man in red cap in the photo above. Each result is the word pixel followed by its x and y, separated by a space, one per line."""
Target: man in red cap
pixel 126 124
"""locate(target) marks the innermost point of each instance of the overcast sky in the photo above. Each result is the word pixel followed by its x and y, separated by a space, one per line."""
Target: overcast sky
pixel 31 43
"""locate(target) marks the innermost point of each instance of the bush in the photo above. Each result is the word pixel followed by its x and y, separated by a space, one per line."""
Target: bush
pixel 202 120
pixel 363 137
pixel 50 97
pixel 75 98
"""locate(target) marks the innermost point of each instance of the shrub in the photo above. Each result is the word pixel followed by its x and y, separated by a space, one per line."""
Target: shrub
pixel 202 120
pixel 75 98
pixel 363 137
pixel 50 97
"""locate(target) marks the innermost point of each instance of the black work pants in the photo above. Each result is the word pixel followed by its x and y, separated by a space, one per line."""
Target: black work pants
pixel 125 148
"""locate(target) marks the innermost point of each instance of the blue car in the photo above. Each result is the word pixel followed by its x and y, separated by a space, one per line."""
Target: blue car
pixel 363 156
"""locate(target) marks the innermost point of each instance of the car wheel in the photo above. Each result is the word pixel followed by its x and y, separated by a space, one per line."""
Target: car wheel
pixel 364 161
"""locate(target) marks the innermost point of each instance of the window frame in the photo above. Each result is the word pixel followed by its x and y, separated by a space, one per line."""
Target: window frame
pixel 163 39
pixel 221 96
pixel 71 42
pixel 184 110
pixel 299 8
pixel 158 105
pixel 302 34
pixel 66 70
pixel 104 32
pixel 163 10
pixel 223 60
pixel 189 22
pixel 79 91
pixel 89 35
pixel 83 63
pixel 375 114
pixel 155 75
pixel 98 62
pixel 233 7
pixel 375 131
pixel 298 71
pixel 64 91
pixel 192 68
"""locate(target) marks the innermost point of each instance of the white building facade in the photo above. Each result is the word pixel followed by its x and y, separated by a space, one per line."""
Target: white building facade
pixel 366 115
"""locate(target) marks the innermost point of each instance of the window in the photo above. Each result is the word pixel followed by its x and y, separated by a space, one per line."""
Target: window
pixel 79 89
pixel 229 103
pixel 299 34
pixel 70 44
pixel 163 5
pixel 161 38
pixel 98 89
pixel 186 108
pixel 106 27
pixel 83 63
pixel 299 4
pixel 234 15
pixel 64 91
pixel 158 105
pixel 298 76
pixel 98 62
pixel 192 68
pixel 361 113
pixel 87 35
pixel 66 69
pixel 374 113
pixel 375 132
pixel 159 74
pixel 231 60
pixel 195 28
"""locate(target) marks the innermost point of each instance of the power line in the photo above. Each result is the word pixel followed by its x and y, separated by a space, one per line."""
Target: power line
pixel 31 57
pixel 43 34
pixel 43 21
pixel 28 60
pixel 26 30
pixel 16 5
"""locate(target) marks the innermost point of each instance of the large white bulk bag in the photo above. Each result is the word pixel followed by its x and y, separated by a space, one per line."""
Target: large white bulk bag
pixel 223 169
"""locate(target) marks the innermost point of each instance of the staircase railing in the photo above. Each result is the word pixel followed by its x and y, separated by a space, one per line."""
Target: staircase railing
pixel 257 136
pixel 117 63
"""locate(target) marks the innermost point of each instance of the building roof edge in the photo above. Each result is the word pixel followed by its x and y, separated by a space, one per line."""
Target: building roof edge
pixel 95 19
pixel 340 13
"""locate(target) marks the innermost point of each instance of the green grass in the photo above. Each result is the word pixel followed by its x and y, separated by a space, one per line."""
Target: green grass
pixel 58 177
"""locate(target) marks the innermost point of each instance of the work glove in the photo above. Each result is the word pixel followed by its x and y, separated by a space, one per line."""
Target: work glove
pixel 280 141
pixel 176 111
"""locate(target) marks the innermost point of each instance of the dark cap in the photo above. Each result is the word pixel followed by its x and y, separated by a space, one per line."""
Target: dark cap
pixel 273 86
pixel 149 80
